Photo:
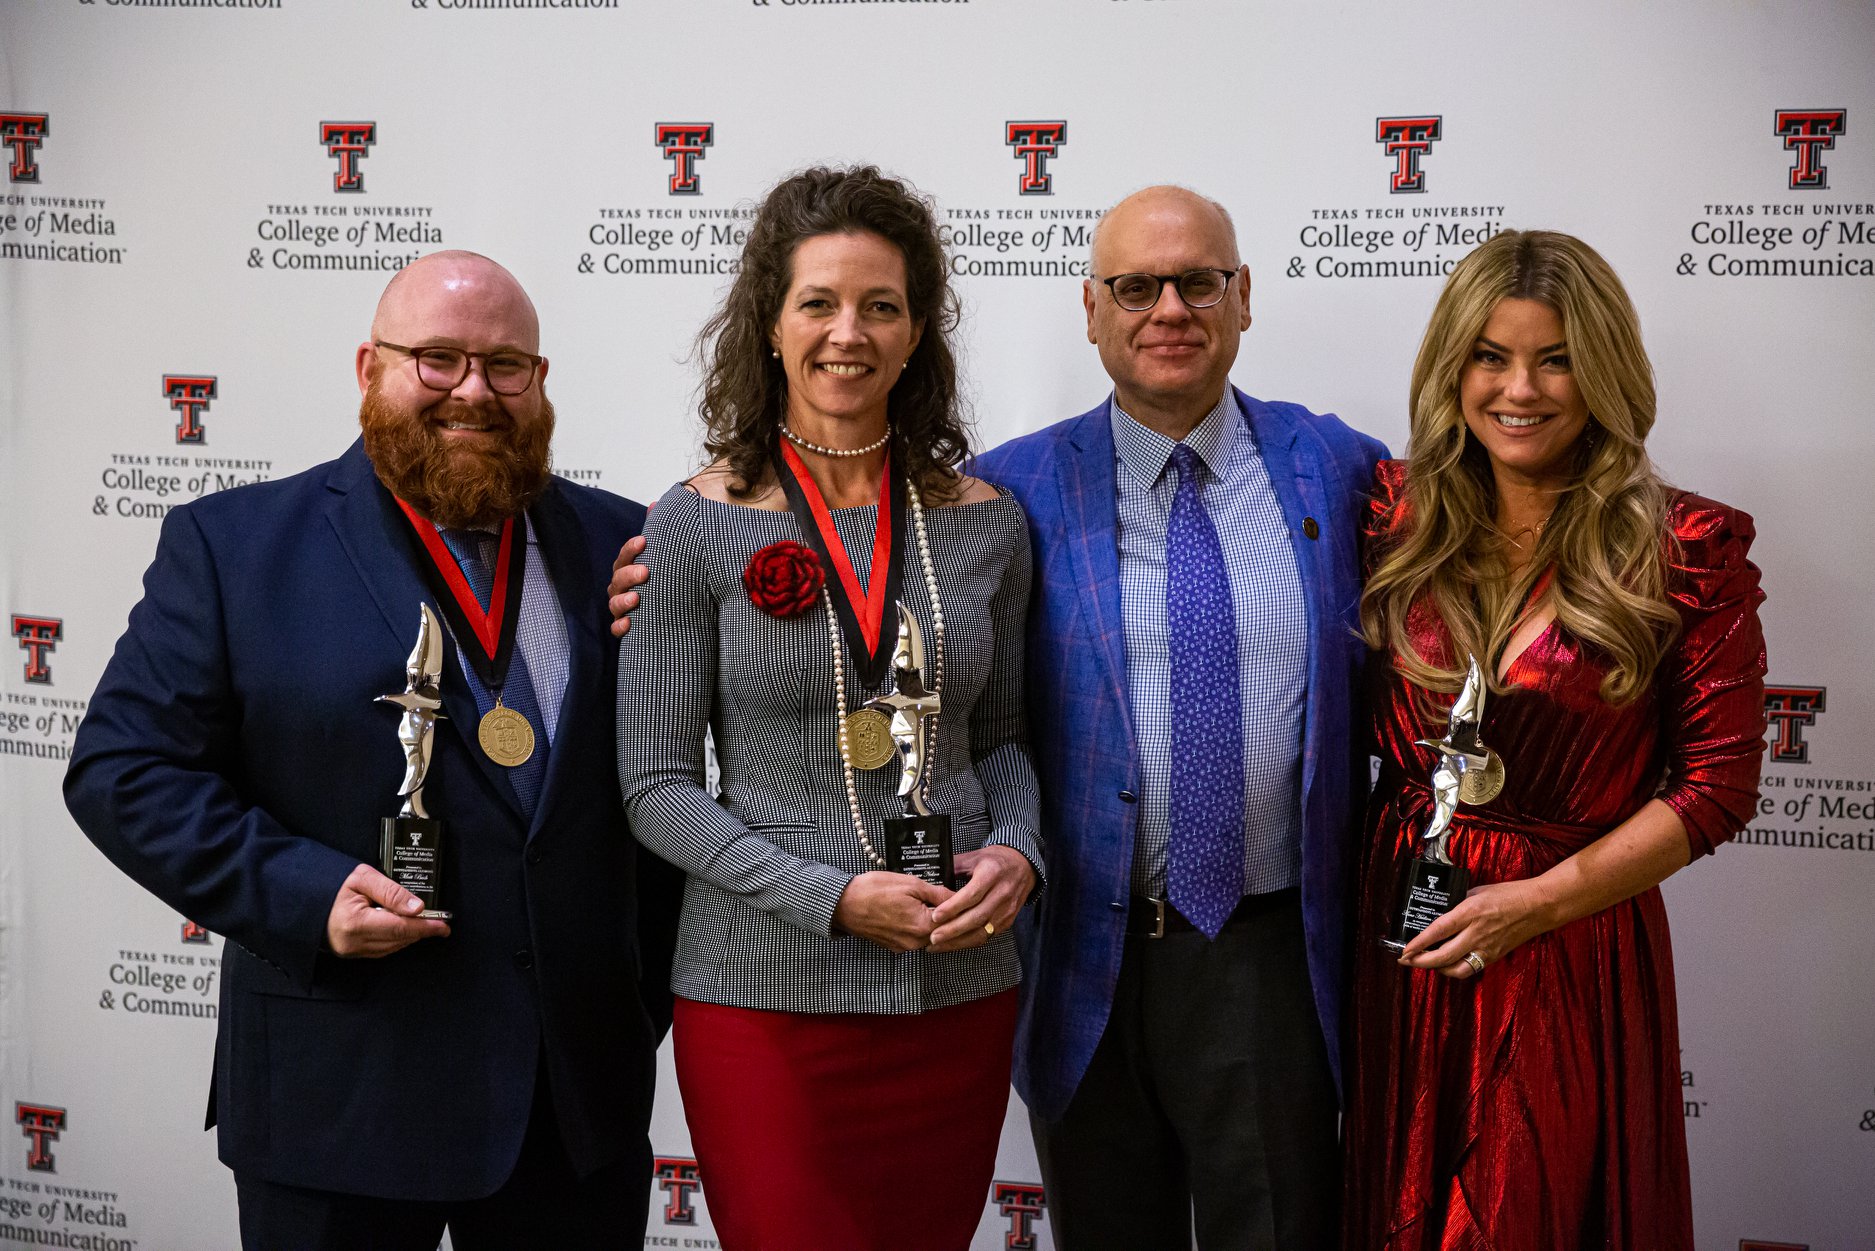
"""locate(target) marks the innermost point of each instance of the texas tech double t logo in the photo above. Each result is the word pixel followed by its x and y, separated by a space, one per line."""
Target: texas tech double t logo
pixel 189 395
pixel 1407 139
pixel 1789 709
pixel 684 144
pixel 1035 143
pixel 1810 133
pixel 23 132
pixel 677 1177
pixel 1021 1202
pixel 38 636
pixel 42 1126
pixel 350 142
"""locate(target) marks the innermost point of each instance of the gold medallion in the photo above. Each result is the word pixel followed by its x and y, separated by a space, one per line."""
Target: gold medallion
pixel 506 736
pixel 869 742
pixel 1481 786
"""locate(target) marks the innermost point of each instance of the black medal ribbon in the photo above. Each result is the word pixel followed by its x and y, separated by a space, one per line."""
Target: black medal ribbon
pixel 871 663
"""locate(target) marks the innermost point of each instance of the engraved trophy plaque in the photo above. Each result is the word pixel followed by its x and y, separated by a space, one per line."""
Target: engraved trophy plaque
pixel 1468 772
pixel 918 843
pixel 411 843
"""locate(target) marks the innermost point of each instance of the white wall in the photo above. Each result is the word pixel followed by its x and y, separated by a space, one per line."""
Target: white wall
pixel 517 132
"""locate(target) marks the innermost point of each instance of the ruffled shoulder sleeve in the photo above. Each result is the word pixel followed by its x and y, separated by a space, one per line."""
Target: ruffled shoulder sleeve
pixel 1388 494
pixel 1712 679
pixel 1386 510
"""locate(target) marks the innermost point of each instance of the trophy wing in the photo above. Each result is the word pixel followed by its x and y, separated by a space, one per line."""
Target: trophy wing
pixel 426 660
pixel 908 655
pixel 1468 708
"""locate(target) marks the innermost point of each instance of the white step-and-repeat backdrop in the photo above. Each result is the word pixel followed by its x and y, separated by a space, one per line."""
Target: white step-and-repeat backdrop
pixel 202 199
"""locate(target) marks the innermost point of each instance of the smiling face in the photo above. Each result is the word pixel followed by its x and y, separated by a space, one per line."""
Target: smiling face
pixel 844 333
pixel 1169 364
pixel 464 457
pixel 1519 396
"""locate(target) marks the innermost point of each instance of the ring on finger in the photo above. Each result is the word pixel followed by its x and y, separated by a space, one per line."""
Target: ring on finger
pixel 989 928
pixel 1476 962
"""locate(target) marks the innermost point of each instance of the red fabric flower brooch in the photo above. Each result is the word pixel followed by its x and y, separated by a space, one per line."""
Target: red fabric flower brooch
pixel 784 579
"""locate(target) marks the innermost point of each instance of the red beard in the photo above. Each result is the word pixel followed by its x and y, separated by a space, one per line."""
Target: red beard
pixel 457 485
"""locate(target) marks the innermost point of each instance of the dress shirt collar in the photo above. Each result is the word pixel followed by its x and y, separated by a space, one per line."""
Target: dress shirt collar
pixel 1145 452
pixel 492 531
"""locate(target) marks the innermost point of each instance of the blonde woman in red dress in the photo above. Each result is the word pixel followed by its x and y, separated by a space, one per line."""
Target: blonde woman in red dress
pixel 1515 1073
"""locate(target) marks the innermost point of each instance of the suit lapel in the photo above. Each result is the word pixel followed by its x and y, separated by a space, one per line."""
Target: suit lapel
pixel 1295 478
pixel 1090 522
pixel 562 546
pixel 365 518
pixel 362 516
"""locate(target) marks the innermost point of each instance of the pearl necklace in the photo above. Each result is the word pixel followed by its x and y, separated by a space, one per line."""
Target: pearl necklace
pixel 870 448
pixel 839 674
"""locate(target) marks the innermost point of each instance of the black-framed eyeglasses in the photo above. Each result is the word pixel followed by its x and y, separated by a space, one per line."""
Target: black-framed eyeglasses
pixel 1199 288
pixel 443 368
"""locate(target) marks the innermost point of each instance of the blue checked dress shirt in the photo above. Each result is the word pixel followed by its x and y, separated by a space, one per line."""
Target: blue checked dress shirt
pixel 1272 637
pixel 539 643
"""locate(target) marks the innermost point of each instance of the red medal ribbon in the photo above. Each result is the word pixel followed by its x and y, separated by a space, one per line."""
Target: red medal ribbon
pixel 872 620
pixel 485 625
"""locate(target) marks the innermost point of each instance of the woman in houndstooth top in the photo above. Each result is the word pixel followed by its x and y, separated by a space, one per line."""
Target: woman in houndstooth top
pixel 843 1033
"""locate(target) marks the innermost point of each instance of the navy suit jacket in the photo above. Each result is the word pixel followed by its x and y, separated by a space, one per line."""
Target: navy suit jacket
pixel 234 762
pixel 1081 721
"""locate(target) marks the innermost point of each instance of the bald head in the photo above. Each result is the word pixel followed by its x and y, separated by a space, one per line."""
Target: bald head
pixel 461 454
pixel 1170 362
pixel 1178 209
pixel 455 284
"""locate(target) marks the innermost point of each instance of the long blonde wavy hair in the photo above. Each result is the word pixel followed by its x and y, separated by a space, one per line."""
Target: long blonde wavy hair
pixel 1605 539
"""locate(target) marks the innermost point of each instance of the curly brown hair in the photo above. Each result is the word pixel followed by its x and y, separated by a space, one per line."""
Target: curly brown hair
pixel 744 389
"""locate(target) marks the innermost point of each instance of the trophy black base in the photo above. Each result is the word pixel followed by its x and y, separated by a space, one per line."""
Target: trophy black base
pixel 921 848
pixel 412 856
pixel 1432 890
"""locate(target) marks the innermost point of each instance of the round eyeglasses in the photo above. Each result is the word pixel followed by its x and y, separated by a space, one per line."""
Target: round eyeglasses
pixel 1198 288
pixel 443 368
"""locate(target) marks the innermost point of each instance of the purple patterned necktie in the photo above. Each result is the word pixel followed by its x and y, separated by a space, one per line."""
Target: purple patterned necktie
pixel 472 548
pixel 1205 862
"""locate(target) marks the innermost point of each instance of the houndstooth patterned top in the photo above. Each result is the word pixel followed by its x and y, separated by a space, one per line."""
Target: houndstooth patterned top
pixel 769 858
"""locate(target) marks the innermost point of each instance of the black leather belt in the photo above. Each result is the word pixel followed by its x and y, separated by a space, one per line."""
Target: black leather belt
pixel 1148 917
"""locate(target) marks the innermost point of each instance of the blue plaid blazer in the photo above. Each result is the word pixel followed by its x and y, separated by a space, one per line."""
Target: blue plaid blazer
pixel 1081 721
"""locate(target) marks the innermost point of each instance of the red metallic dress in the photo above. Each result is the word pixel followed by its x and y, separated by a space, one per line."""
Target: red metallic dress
pixel 1537 1107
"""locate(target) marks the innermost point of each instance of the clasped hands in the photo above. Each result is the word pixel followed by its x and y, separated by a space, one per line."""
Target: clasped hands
pixel 902 913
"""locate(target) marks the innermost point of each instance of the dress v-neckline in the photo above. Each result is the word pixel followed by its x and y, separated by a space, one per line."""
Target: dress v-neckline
pixel 1539 589
pixel 1507 662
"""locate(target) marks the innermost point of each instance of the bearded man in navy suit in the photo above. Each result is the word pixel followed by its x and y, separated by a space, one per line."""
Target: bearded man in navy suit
pixel 380 1075
pixel 1191 667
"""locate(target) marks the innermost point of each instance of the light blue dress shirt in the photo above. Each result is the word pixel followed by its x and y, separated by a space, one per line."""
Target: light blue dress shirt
pixel 1272 636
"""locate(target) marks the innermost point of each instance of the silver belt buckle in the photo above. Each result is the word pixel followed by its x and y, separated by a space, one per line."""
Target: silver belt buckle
pixel 1158 918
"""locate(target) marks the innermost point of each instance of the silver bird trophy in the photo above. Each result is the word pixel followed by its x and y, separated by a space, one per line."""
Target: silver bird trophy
pixel 1467 772
pixel 411 843
pixel 918 843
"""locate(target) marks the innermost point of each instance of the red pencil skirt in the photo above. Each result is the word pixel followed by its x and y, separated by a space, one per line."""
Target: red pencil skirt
pixel 847 1132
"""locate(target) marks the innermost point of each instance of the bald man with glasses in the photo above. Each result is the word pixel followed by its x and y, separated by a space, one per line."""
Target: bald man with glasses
pixel 1191 670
